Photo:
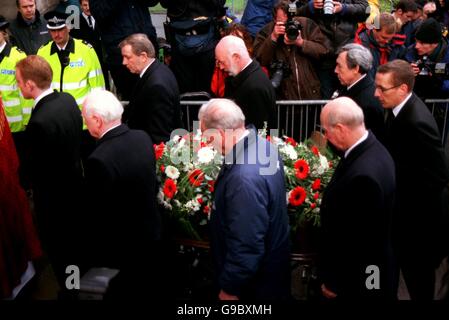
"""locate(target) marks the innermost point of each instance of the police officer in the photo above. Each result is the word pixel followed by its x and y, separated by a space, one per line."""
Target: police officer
pixel 17 108
pixel 75 65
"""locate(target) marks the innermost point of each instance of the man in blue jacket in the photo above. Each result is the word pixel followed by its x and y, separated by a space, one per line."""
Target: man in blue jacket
pixel 249 222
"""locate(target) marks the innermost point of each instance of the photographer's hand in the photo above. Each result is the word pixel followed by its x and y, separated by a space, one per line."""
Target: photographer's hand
pixel 338 6
pixel 415 68
pixel 318 4
pixel 279 29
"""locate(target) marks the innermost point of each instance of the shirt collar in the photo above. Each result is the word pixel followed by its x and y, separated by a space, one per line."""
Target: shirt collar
pixel 2 47
pixel 399 107
pixel 113 127
pixel 42 95
pixel 357 81
pixel 146 68
pixel 250 60
pixel 362 138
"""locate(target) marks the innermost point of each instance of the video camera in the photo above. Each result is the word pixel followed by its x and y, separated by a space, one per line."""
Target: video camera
pixel 292 27
pixel 427 68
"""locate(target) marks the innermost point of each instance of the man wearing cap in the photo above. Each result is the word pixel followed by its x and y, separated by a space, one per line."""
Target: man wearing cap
pixel 430 47
pixel 28 30
pixel 17 108
pixel 75 65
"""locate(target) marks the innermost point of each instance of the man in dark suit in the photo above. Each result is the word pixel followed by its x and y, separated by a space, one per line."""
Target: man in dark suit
pixel 154 105
pixel 249 222
pixel 421 175
pixel 356 254
pixel 88 31
pixel 121 193
pixel 353 65
pixel 247 85
pixel 52 162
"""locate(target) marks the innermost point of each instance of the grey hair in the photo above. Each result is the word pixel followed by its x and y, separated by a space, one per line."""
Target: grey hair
pixel 345 111
pixel 358 55
pixel 104 104
pixel 139 43
pixel 221 114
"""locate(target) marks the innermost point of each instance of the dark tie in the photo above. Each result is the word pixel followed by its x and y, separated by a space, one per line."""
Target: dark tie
pixel 389 118
pixel 89 21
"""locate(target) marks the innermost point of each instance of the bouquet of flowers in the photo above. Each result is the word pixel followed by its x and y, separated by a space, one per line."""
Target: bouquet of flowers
pixel 307 172
pixel 187 169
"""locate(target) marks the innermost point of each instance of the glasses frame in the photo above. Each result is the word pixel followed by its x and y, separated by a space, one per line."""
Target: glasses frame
pixel 383 90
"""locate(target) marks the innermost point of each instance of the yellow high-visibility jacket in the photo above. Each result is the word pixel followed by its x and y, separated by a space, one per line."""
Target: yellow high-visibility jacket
pixel 82 73
pixel 17 108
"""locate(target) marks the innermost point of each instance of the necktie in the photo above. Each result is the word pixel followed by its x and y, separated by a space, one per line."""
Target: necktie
pixel 89 19
pixel 389 118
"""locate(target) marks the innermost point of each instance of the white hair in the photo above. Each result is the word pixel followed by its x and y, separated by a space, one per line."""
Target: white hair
pixel 344 110
pixel 104 104
pixel 221 114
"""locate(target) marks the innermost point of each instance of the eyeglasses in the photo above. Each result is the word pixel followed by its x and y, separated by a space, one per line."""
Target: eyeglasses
pixel 386 89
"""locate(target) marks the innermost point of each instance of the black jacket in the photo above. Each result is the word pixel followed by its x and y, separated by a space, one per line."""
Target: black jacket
pixel 356 212
pixel 118 19
pixel 183 9
pixel 154 105
pixel 421 174
pixel 363 94
pixel 253 93
pixel 124 224
pixel 29 38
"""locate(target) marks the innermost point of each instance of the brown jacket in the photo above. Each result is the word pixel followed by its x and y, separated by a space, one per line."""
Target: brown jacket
pixel 301 83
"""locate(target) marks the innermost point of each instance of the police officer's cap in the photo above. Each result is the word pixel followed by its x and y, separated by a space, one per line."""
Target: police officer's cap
pixel 3 23
pixel 55 20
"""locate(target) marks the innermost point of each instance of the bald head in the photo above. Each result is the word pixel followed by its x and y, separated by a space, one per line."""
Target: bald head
pixel 345 111
pixel 221 114
pixel 232 55
pixel 343 122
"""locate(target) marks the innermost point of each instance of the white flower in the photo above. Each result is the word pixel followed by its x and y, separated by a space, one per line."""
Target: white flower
pixel 172 172
pixel 161 199
pixel 176 138
pixel 193 205
pixel 289 151
pixel 206 155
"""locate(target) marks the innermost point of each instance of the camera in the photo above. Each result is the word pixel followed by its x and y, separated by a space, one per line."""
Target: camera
pixel 328 7
pixel 292 27
pixel 437 69
pixel 279 69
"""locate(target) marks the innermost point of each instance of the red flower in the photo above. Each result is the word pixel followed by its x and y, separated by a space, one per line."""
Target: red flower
pixel 297 196
pixel 301 169
pixel 206 209
pixel 316 195
pixel 200 200
pixel 315 150
pixel 211 184
pixel 312 205
pixel 170 188
pixel 330 164
pixel 316 185
pixel 291 141
pixel 162 168
pixel 196 177
pixel 268 138
pixel 159 150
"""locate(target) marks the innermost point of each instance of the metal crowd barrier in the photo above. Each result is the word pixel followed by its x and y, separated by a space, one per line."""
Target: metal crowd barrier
pixel 299 118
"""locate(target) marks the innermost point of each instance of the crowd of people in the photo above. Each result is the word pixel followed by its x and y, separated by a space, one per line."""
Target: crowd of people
pixel 87 164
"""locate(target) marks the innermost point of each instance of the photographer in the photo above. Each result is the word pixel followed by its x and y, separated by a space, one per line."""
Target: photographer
pixel 293 43
pixel 337 21
pixel 431 81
